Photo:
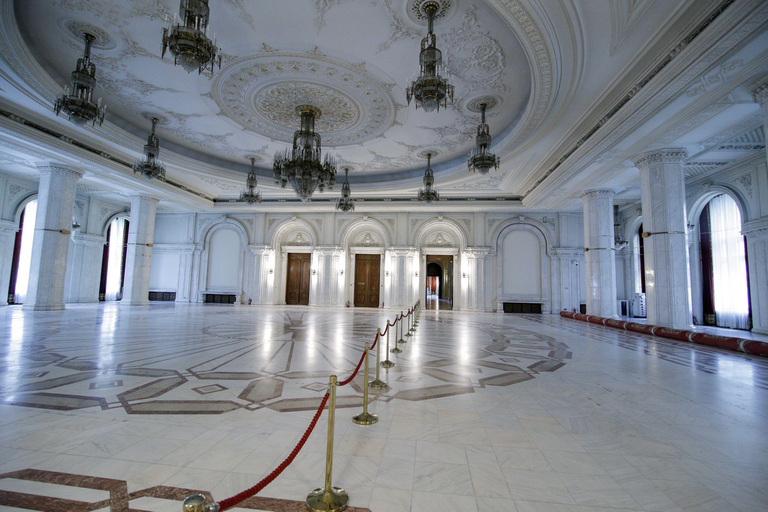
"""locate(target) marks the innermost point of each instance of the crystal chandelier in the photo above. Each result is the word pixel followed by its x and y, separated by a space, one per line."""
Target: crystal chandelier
pixel 618 241
pixel 480 159
pixel 150 167
pixel 430 89
pixel 428 193
pixel 250 196
pixel 79 105
pixel 345 203
pixel 302 166
pixel 189 42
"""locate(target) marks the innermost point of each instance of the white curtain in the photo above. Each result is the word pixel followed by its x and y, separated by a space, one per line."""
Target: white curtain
pixel 115 261
pixel 729 267
pixel 25 253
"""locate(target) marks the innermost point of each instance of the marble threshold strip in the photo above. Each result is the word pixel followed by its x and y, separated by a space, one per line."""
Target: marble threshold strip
pixel 754 347
pixel 327 498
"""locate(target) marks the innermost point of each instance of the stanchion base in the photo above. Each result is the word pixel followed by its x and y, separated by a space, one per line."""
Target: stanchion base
pixel 322 500
pixel 365 418
pixel 408 334
pixel 395 350
pixel 387 363
pixel 401 340
pixel 378 383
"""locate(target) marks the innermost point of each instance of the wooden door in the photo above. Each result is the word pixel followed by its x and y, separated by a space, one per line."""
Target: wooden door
pixel 297 280
pixel 367 268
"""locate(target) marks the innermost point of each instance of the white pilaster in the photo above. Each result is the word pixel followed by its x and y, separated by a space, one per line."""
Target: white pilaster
pixel 84 269
pixel 599 252
pixel 566 277
pixel 7 241
pixel 138 257
pixel 476 279
pixel 667 275
pixel 50 248
pixel 760 94
pixel 757 255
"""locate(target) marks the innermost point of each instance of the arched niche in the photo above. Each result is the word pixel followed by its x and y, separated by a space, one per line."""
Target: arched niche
pixel 523 268
pixel 222 259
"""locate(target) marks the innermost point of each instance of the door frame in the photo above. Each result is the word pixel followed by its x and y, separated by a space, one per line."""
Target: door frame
pixel 350 271
pixel 457 302
pixel 283 280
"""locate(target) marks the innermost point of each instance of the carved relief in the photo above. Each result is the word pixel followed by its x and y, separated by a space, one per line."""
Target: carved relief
pixel 298 240
pixel 474 56
pixel 746 183
pixel 706 82
pixel 368 241
pixel 441 240
pixel 338 89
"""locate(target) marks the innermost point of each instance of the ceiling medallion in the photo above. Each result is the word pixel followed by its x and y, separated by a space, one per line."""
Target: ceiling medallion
pixel 345 203
pixel 79 106
pixel 481 159
pixel 188 41
pixel 430 89
pixel 428 193
pixel 249 195
pixel 302 166
pixel 261 92
pixel 102 39
pixel 150 167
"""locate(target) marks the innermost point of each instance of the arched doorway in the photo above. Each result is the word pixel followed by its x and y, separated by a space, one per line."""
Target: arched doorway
pixel 22 254
pixel 725 283
pixel 439 283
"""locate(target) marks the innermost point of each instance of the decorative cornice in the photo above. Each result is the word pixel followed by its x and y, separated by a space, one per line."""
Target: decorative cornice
pixel 604 193
pixel 756 230
pixel 632 92
pixel 662 156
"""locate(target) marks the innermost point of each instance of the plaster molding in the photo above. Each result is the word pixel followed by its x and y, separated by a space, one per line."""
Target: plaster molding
pixel 661 156
pixel 598 194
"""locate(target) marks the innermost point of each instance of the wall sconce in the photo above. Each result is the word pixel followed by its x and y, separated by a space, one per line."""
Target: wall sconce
pixel 271 271
pixel 416 274
pixel 464 275
pixel 341 272
pixel 386 273
pixel 314 272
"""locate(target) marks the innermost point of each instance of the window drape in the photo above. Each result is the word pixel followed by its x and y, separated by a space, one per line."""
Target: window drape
pixel 729 267
pixel 115 259
pixel 25 253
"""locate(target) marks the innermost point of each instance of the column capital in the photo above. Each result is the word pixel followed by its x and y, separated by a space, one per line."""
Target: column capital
pixel 606 193
pixel 756 230
pixel 760 92
pixel 60 170
pixel 144 197
pixel 661 156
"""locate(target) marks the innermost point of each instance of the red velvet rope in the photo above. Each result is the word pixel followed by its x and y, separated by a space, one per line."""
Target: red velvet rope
pixel 253 491
pixel 357 369
pixel 375 341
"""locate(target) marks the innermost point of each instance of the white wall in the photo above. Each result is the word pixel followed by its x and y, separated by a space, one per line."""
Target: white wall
pixel 520 254
pixel 225 258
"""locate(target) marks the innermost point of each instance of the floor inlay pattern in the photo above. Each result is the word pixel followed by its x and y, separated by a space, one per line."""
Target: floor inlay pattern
pixel 257 358
pixel 485 413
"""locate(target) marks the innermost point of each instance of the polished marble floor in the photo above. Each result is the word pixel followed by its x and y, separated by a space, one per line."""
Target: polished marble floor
pixel 484 412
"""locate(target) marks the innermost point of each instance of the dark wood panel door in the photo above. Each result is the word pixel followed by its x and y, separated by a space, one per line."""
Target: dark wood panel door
pixel 367 269
pixel 297 280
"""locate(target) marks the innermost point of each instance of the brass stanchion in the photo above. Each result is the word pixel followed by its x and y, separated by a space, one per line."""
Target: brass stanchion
pixel 378 383
pixel 196 503
pixel 401 340
pixel 365 418
pixel 410 327
pixel 329 498
pixel 398 325
pixel 387 363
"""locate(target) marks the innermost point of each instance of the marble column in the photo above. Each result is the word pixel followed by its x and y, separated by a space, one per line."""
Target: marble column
pixel 599 252
pixel 83 271
pixel 667 273
pixel 8 232
pixel 138 256
pixel 50 248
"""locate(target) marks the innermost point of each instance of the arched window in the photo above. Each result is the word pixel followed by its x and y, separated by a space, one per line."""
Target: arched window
pixel 20 267
pixel 115 259
pixel 724 265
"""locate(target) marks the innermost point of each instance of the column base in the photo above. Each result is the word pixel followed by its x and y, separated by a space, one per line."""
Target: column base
pixel 124 303
pixel 42 307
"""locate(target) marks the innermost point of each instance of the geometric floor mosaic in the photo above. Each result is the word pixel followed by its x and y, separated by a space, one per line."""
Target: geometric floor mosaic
pixel 254 359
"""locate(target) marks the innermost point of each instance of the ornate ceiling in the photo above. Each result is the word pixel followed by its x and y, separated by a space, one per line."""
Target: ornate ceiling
pixel 557 74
